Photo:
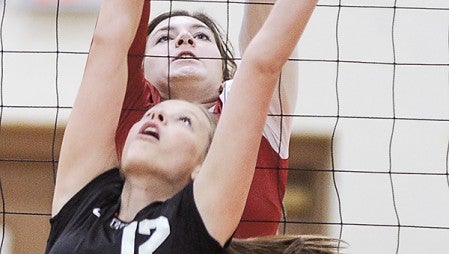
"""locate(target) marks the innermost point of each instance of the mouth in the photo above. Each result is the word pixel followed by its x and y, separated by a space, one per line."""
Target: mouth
pixel 185 55
pixel 150 129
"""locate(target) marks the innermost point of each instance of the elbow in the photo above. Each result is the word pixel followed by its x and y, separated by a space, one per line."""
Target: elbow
pixel 267 64
pixel 265 59
pixel 109 40
pixel 115 33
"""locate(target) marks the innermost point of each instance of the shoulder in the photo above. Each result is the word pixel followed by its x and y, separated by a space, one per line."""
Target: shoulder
pixel 87 205
pixel 102 189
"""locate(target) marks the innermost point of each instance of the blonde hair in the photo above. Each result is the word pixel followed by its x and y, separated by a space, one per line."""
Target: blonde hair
pixel 286 244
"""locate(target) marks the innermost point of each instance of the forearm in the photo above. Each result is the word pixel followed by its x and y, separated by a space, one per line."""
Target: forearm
pixel 135 100
pixel 104 81
pixel 284 31
pixel 118 21
pixel 105 73
pixel 254 16
pixel 137 49
pixel 96 110
pixel 255 13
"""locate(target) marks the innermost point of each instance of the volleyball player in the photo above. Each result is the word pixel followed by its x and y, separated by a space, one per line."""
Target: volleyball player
pixel 175 189
pixel 209 84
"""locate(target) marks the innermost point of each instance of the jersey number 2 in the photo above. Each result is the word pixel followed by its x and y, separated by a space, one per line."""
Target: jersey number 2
pixel 161 232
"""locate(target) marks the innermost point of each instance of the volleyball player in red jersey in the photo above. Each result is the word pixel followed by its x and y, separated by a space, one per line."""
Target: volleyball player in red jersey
pixel 209 84
pixel 178 187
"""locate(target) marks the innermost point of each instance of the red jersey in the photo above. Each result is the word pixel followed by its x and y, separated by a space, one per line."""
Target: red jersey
pixel 263 209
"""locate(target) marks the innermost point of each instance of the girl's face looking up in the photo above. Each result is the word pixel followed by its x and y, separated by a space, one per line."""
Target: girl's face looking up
pixel 172 139
pixel 182 50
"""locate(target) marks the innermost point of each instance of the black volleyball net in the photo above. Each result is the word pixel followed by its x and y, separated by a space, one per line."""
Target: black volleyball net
pixel 369 154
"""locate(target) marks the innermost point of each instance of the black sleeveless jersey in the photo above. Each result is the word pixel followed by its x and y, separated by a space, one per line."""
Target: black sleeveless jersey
pixel 87 223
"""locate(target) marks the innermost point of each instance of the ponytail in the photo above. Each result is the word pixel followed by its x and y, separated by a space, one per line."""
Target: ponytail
pixel 286 244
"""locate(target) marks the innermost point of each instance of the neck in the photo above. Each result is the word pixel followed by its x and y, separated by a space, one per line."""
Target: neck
pixel 138 193
pixel 192 91
pixel 209 104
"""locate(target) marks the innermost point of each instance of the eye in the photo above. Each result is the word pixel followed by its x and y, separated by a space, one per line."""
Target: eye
pixel 202 36
pixel 185 120
pixel 163 38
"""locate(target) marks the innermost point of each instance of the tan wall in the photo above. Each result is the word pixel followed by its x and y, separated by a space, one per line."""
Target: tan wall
pixel 27 178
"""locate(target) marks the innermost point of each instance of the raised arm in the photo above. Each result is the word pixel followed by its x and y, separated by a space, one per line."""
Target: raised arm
pixel 222 185
pixel 88 145
pixel 283 100
pixel 136 100
pixel 255 13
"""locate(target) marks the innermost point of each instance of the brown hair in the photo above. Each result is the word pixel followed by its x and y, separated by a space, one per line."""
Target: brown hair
pixel 213 120
pixel 228 63
pixel 286 244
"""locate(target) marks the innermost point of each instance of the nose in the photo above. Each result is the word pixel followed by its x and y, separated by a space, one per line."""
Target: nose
pixel 158 116
pixel 185 38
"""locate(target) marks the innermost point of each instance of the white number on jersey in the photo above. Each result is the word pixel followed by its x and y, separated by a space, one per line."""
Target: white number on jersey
pixel 161 232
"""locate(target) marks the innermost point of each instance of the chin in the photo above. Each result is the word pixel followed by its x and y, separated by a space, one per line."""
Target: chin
pixel 190 75
pixel 135 159
pixel 188 69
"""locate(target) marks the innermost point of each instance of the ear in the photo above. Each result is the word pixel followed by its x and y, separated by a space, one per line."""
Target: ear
pixel 195 172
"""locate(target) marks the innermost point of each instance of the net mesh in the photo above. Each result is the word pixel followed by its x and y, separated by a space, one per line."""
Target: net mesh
pixel 369 153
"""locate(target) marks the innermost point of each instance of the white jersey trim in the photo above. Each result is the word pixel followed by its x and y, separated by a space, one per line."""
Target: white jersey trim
pixel 279 138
